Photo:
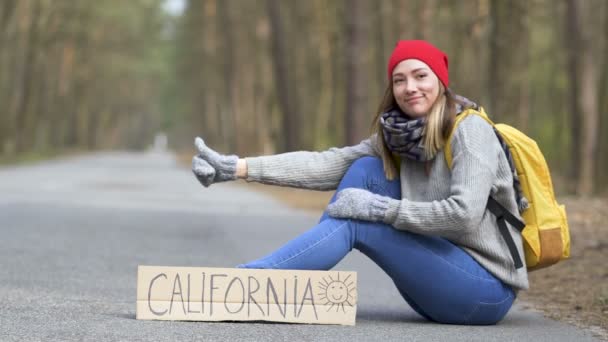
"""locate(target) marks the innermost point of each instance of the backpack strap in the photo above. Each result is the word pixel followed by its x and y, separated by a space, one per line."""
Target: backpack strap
pixel 503 216
pixel 447 150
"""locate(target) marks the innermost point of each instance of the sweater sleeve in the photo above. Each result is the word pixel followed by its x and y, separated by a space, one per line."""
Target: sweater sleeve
pixel 474 166
pixel 306 169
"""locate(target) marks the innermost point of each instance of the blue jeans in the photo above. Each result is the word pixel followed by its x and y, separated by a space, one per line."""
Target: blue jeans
pixel 438 279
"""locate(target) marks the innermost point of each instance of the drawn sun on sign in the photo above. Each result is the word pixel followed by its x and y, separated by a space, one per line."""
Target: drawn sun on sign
pixel 336 292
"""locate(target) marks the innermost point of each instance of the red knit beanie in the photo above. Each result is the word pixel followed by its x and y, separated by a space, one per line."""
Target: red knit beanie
pixel 424 51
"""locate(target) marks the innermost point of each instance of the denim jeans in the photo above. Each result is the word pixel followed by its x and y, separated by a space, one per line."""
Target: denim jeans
pixel 438 279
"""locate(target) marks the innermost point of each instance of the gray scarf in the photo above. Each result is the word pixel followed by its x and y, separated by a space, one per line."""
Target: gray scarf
pixel 403 135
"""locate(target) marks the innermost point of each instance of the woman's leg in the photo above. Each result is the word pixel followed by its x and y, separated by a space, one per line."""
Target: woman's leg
pixel 438 279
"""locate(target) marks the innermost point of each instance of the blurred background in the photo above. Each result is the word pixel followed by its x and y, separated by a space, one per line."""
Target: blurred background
pixel 268 76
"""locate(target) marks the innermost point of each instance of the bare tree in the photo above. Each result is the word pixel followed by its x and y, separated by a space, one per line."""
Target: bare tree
pixel 573 48
pixel 588 100
pixel 357 50
pixel 282 80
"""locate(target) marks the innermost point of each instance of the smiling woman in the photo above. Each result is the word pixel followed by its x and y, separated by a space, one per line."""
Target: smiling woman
pixel 423 223
pixel 415 86
pixel 418 108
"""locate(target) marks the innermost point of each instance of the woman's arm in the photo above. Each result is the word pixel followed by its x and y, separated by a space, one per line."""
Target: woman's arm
pixel 304 169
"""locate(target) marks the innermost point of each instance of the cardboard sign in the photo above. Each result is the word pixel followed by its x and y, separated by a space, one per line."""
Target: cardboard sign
pixel 235 294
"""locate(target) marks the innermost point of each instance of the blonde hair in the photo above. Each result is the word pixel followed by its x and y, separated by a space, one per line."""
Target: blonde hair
pixel 439 123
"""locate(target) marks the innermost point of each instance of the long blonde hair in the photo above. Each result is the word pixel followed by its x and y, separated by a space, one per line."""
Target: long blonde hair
pixel 439 123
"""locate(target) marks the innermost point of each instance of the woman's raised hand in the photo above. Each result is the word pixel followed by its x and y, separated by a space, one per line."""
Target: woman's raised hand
pixel 211 167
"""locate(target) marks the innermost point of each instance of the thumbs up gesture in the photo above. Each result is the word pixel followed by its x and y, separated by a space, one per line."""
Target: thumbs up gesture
pixel 211 167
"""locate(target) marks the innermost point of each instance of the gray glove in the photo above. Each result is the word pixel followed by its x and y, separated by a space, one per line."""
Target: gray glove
pixel 204 172
pixel 211 167
pixel 359 204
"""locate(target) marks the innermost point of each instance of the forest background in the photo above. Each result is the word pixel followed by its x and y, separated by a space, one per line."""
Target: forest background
pixel 269 76
pixel 259 77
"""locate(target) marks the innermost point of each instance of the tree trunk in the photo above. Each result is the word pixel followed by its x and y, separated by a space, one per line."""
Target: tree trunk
pixel 523 72
pixel 326 73
pixel 495 62
pixel 228 61
pixel 589 106
pixel 7 11
pixel 23 104
pixel 573 49
pixel 602 151
pixel 506 74
pixel 283 86
pixel 425 19
pixel 357 49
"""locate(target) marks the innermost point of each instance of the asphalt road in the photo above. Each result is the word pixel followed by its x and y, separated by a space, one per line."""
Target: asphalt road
pixel 74 231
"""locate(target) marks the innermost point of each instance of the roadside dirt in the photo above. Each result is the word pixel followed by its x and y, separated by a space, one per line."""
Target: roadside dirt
pixel 576 290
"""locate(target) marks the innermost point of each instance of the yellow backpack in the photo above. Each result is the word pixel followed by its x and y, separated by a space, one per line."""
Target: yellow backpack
pixel 545 233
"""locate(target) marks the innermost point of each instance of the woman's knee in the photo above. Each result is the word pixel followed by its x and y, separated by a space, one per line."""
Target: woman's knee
pixel 364 169
pixel 368 173
pixel 366 165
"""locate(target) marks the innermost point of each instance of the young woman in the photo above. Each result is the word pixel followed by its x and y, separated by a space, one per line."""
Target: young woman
pixel 398 202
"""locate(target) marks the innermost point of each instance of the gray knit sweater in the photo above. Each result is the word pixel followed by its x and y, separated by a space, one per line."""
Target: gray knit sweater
pixel 450 204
